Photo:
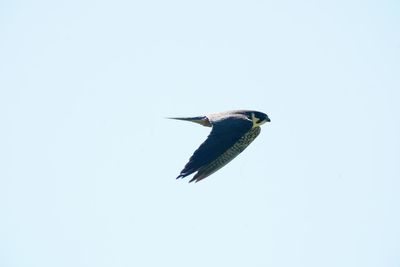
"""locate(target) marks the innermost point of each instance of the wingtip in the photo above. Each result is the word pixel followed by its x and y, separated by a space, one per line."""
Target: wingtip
pixel 179 118
pixel 202 120
pixel 196 179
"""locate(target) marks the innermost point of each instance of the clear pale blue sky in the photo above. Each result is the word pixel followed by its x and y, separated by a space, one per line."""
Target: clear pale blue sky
pixel 88 162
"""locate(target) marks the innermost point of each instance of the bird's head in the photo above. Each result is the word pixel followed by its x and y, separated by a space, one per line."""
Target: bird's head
pixel 258 118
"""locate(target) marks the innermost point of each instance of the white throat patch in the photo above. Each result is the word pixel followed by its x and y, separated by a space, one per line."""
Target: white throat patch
pixel 254 119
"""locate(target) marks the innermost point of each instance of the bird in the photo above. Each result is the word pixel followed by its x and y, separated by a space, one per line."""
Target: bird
pixel 231 133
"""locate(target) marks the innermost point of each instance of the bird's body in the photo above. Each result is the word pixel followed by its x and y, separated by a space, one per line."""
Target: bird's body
pixel 231 133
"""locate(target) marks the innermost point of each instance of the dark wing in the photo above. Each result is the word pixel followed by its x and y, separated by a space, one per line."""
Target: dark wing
pixel 224 134
pixel 227 156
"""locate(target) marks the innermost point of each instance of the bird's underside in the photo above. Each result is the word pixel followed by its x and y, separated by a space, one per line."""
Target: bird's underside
pixel 226 157
pixel 231 133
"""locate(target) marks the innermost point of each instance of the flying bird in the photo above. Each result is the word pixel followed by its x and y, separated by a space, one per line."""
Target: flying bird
pixel 231 133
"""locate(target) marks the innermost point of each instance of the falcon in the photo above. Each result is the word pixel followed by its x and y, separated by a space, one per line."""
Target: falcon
pixel 231 133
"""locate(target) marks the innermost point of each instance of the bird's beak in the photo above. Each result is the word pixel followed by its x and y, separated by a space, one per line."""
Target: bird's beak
pixel 267 120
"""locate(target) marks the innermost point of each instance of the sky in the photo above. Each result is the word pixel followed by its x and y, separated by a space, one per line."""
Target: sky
pixel 88 160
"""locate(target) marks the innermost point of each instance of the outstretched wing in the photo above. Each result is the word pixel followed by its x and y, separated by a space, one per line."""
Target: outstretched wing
pixel 224 134
pixel 227 156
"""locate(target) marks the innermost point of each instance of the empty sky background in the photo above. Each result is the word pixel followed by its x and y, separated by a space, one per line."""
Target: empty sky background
pixel 88 162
